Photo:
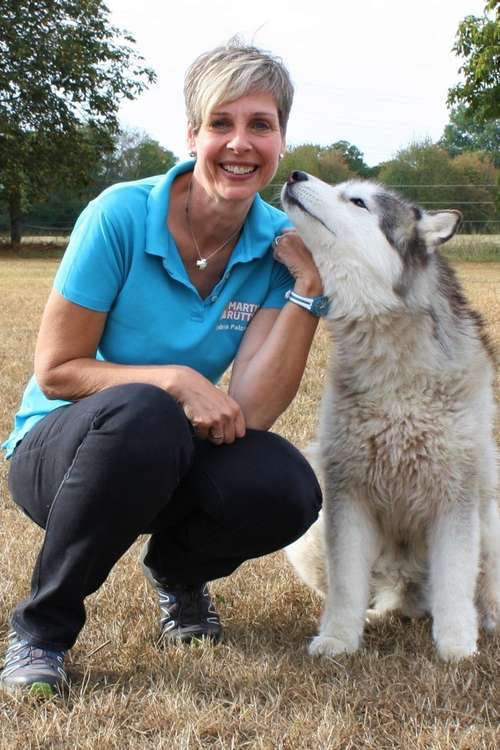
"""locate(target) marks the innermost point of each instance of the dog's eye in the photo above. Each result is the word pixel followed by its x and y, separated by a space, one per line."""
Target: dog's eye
pixel 359 202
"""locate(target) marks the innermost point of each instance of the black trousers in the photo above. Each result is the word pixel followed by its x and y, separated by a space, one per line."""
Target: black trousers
pixel 123 462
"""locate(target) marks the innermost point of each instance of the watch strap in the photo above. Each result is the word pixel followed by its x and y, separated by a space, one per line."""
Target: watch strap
pixel 316 305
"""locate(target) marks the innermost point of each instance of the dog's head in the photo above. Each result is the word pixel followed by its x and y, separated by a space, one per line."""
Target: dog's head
pixel 365 237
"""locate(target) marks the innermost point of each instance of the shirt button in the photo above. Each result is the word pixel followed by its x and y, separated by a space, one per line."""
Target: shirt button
pixel 213 298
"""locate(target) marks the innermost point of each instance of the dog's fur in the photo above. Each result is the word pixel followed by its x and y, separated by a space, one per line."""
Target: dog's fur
pixel 405 447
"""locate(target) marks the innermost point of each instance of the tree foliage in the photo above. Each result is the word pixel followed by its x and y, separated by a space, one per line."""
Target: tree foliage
pixel 335 163
pixel 63 70
pixel 428 175
pixel 353 157
pixel 468 132
pixel 135 155
pixel 478 43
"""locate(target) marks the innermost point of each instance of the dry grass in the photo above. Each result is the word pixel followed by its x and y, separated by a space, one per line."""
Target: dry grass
pixel 470 247
pixel 257 690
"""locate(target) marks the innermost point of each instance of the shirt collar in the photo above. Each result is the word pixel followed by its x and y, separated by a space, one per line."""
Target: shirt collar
pixel 255 239
pixel 157 234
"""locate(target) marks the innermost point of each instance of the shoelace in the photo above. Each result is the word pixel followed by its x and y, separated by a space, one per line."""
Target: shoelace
pixel 20 653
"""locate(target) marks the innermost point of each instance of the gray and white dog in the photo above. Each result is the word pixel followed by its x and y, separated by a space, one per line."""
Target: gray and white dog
pixel 405 447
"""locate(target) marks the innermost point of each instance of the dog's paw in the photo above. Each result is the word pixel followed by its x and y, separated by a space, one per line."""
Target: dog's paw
pixel 325 645
pixel 373 616
pixel 456 646
pixel 455 633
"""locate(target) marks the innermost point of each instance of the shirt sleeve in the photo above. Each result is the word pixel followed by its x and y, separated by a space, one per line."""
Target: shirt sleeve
pixel 281 281
pixel 92 270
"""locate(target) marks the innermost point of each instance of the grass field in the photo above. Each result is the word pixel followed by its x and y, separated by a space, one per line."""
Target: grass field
pixel 465 247
pixel 258 690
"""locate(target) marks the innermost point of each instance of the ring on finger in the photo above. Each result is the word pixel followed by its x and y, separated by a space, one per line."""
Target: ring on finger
pixel 276 240
pixel 216 435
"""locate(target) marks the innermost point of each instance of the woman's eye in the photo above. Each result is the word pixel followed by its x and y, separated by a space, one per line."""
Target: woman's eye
pixel 359 202
pixel 261 125
pixel 220 124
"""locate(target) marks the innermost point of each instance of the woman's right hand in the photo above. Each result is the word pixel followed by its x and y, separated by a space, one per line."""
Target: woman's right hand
pixel 214 415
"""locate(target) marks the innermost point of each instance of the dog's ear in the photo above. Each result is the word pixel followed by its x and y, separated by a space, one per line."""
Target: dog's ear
pixel 439 226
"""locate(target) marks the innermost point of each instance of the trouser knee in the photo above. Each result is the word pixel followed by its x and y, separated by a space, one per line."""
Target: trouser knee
pixel 266 493
pixel 295 504
pixel 144 426
pixel 126 446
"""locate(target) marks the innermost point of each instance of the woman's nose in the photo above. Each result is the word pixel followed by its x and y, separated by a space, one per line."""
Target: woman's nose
pixel 239 141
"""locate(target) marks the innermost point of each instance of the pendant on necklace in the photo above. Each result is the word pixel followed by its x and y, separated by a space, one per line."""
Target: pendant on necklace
pixel 202 263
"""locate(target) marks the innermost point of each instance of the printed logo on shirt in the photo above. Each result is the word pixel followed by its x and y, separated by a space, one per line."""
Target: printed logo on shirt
pixel 236 316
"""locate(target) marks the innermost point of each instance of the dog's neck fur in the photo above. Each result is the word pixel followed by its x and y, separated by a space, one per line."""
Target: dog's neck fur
pixel 395 343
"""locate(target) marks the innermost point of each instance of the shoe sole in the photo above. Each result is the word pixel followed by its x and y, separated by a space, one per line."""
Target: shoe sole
pixel 43 690
pixel 37 690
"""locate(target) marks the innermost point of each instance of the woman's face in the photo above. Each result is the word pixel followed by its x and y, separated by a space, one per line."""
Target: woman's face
pixel 238 147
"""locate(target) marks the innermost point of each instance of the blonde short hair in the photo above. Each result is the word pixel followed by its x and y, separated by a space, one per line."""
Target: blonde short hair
pixel 226 73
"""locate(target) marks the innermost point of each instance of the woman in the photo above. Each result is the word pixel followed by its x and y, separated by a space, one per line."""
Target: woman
pixel 122 431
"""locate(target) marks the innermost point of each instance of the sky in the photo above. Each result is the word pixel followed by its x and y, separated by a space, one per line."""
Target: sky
pixel 373 72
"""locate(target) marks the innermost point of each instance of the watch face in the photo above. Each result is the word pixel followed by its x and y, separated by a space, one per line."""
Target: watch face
pixel 320 306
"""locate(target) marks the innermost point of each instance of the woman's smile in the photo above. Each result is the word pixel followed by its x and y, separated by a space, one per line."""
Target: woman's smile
pixel 238 147
pixel 239 170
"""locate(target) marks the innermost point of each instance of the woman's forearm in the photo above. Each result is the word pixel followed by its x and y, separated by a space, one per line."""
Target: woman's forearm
pixel 78 378
pixel 268 382
pixel 267 376
pixel 213 414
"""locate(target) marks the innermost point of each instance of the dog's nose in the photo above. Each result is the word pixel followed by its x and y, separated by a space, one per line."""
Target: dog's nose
pixel 297 176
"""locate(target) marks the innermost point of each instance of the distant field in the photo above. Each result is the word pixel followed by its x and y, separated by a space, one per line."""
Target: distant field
pixel 467 247
pixel 473 247
pixel 258 690
pixel 39 239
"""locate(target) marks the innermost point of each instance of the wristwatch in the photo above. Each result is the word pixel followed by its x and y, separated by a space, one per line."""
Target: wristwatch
pixel 318 306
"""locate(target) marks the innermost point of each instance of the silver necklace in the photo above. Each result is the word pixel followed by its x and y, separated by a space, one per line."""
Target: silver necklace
pixel 202 262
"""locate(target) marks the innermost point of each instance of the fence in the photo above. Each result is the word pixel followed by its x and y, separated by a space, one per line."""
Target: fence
pixel 469 226
pixel 487 224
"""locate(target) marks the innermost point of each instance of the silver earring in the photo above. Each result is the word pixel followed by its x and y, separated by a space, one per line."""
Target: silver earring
pixel 281 156
pixel 192 154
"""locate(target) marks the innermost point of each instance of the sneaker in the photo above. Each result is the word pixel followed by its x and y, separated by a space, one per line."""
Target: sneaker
pixel 37 670
pixel 187 612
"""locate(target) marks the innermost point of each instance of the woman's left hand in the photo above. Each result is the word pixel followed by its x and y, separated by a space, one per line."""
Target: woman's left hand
pixel 290 250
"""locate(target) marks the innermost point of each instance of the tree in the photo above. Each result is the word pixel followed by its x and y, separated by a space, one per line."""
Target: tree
pixel 333 167
pixel 478 175
pixel 135 155
pixel 478 43
pixel 426 174
pixel 327 163
pixel 63 71
pixel 466 131
pixel 417 169
pixel 138 155
pixel 353 157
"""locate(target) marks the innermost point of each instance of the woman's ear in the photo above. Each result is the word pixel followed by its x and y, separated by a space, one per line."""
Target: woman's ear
pixel 191 140
pixel 283 146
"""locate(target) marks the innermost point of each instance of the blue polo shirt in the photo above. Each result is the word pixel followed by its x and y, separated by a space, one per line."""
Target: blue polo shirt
pixel 122 260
